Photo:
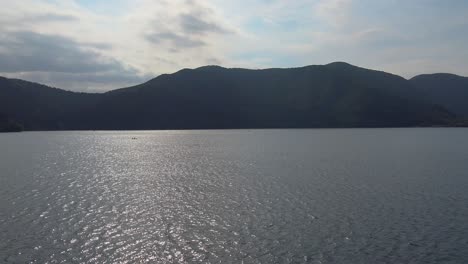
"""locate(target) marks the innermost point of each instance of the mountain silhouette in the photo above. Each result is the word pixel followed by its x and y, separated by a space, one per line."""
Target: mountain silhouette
pixel 448 90
pixel 332 95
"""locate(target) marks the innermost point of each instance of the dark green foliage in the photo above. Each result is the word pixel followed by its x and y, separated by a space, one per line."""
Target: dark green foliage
pixel 333 95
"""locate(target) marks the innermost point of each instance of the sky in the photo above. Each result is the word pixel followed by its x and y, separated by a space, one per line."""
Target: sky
pixel 99 45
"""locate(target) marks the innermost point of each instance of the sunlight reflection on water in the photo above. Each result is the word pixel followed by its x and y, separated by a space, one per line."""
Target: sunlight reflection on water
pixel 260 196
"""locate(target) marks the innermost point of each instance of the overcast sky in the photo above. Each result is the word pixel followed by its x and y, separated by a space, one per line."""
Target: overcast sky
pixel 97 45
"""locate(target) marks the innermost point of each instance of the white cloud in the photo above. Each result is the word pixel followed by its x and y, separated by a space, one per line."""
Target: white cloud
pixel 150 38
pixel 335 13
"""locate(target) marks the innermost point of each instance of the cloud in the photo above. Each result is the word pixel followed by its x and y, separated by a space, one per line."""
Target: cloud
pixel 30 51
pixel 192 27
pixel 17 15
pixel 49 17
pixel 335 13
pixel 174 40
pixel 58 59
pixel 193 24
pixel 59 40
pixel 213 61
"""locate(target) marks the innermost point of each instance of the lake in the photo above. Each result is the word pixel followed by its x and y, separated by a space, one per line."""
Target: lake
pixel 235 196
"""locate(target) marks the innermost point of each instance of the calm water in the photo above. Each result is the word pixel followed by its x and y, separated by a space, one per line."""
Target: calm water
pixel 260 196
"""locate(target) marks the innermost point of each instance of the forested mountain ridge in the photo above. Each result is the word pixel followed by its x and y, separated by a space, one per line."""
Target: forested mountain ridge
pixel 448 90
pixel 332 95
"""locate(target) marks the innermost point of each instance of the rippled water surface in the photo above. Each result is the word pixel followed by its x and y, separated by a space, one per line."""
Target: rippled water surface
pixel 235 196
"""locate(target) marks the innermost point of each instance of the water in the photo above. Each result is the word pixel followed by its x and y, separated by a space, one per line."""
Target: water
pixel 235 196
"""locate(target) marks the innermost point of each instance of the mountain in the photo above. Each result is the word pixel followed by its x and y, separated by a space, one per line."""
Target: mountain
pixel 448 90
pixel 8 125
pixel 39 107
pixel 332 95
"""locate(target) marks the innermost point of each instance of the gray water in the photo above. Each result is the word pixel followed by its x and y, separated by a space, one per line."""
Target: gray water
pixel 235 196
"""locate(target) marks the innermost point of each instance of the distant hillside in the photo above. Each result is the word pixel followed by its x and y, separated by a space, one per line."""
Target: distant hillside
pixel 333 95
pixel 9 125
pixel 448 90
pixel 39 107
